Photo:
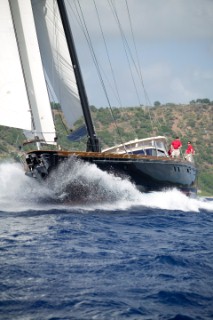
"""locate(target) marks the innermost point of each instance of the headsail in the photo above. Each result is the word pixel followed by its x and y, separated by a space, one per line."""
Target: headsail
pixel 56 58
pixel 22 34
pixel 14 106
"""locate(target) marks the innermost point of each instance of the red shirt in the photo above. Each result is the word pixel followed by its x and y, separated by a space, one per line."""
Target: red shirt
pixel 176 144
pixel 190 149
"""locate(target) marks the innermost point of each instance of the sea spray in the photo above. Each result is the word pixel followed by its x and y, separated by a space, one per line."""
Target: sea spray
pixel 83 185
pixel 78 181
pixel 19 192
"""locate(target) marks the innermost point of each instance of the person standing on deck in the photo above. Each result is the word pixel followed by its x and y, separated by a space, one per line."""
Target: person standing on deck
pixel 190 151
pixel 175 147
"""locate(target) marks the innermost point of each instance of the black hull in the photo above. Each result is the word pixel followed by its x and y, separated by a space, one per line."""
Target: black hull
pixel 146 172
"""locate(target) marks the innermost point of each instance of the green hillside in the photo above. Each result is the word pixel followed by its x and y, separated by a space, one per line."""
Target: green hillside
pixel 190 122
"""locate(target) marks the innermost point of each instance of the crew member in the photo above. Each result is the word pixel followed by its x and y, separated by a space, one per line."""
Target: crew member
pixel 190 151
pixel 175 147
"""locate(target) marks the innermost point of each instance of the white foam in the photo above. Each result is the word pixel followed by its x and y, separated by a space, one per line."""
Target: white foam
pixel 17 191
pixel 104 191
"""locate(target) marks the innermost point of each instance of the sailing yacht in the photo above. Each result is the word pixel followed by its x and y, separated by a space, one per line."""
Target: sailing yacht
pixel 33 66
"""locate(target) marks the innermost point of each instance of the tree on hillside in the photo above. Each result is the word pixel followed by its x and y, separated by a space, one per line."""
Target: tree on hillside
pixel 157 103
pixel 207 101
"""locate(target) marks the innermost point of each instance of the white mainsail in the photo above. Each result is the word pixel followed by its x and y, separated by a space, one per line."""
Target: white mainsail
pixel 56 59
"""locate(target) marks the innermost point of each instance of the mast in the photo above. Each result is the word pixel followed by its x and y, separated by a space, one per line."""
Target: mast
pixel 92 142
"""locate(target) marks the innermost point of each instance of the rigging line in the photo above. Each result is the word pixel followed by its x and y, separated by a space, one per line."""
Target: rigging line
pixel 107 52
pixel 112 71
pixel 88 38
pixel 137 57
pixel 125 46
pixel 95 61
pixel 114 12
pixel 79 21
pixel 102 81
pixel 139 68
pixel 136 53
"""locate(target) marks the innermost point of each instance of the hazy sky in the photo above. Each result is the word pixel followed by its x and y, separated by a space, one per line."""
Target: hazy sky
pixel 174 42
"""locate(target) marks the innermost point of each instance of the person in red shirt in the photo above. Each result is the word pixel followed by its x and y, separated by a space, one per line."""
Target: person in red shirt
pixel 190 151
pixel 175 147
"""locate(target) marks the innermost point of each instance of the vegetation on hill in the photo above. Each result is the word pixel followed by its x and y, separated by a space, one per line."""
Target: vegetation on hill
pixel 189 122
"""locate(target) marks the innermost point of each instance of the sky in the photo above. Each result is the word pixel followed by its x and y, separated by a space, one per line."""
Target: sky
pixel 172 49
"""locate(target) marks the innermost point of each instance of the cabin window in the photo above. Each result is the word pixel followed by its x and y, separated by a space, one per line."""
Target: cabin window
pixel 151 152
pixel 161 153
pixel 139 152
pixel 160 144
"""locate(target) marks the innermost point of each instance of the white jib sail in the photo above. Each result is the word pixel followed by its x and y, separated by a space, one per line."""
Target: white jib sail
pixel 14 106
pixel 56 59
pixel 43 124
pixel 24 100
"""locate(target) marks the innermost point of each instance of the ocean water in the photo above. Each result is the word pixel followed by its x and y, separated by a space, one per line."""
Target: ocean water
pixel 127 256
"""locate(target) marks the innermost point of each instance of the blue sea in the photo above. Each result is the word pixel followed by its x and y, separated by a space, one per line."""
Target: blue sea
pixel 127 256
